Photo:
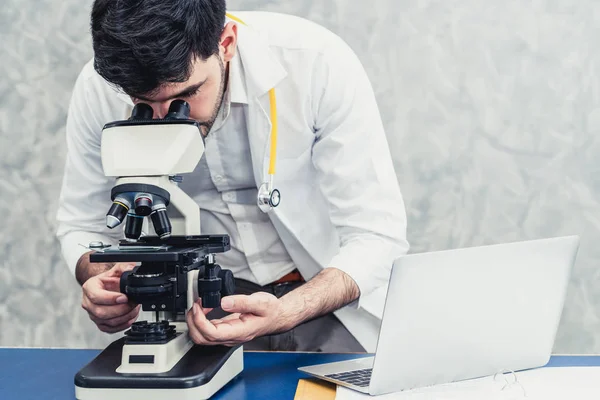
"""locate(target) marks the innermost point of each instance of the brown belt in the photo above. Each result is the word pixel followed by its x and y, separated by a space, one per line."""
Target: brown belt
pixel 293 276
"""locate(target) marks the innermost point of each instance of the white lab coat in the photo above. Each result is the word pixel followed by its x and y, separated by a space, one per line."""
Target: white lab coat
pixel 341 205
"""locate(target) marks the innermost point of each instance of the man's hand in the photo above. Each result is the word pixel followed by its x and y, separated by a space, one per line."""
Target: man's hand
pixel 263 314
pixel 252 316
pixel 106 306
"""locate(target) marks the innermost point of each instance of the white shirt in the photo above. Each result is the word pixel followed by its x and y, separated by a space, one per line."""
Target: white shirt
pixel 223 186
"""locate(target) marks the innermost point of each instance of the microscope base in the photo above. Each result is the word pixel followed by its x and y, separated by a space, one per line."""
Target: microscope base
pixel 198 375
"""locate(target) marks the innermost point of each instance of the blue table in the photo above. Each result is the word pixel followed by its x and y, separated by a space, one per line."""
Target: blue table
pixel 48 373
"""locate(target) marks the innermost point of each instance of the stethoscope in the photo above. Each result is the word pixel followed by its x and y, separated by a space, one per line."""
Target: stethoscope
pixel 268 197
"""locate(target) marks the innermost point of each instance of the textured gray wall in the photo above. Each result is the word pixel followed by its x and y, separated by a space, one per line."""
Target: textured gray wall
pixel 492 111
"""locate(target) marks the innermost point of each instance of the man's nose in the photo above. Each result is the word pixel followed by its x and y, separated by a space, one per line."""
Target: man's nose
pixel 161 109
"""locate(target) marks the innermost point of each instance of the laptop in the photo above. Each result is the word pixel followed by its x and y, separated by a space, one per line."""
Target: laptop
pixel 465 313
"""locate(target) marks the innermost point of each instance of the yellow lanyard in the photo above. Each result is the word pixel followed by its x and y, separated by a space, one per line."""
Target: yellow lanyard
pixel 273 107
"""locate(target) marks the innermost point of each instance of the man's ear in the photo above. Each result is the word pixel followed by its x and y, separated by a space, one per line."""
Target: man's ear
pixel 227 45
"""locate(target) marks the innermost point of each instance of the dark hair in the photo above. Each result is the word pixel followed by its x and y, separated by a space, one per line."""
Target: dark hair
pixel 140 45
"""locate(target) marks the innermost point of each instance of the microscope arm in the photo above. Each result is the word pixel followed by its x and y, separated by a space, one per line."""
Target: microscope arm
pixel 189 210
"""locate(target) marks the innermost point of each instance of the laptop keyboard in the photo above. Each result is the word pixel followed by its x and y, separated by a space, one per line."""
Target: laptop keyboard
pixel 360 377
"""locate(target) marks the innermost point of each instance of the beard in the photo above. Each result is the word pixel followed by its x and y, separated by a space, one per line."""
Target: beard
pixel 206 126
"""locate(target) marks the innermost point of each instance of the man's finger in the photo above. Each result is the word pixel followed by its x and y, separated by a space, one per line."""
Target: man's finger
pixel 200 322
pixel 111 283
pixel 115 329
pixel 193 331
pixel 257 304
pixel 228 318
pixel 204 310
pixel 119 320
pixel 101 313
pixel 119 268
pixel 199 339
pixel 97 294
pixel 232 330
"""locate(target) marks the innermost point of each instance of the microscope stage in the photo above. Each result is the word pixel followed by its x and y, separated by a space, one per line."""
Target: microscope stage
pixel 175 249
pixel 198 375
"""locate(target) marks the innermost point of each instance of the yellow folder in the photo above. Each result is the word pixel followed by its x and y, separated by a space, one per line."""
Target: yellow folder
pixel 314 389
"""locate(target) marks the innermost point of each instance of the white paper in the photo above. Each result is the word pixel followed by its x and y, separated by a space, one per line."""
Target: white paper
pixel 553 383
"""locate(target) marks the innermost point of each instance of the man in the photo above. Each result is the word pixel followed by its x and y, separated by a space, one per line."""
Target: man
pixel 341 221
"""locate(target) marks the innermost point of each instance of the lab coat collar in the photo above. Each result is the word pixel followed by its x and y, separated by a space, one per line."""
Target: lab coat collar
pixel 237 85
pixel 262 71
pixel 235 92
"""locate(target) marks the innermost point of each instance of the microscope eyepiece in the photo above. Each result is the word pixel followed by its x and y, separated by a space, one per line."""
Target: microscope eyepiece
pixel 179 109
pixel 142 111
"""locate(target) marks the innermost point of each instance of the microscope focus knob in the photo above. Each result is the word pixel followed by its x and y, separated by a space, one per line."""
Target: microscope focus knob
pixel 213 284
pixel 211 299
pixel 227 282
pixel 123 282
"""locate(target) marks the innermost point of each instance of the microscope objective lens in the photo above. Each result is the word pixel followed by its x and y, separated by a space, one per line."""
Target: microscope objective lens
pixel 116 214
pixel 143 204
pixel 133 226
pixel 162 225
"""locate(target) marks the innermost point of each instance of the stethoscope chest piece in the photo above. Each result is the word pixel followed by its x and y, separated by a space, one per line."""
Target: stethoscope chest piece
pixel 274 198
pixel 268 198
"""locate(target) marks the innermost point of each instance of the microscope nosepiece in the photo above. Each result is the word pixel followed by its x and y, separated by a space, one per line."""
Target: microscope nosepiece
pixel 116 214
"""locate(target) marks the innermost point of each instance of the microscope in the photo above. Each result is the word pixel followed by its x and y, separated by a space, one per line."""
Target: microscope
pixel 175 265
